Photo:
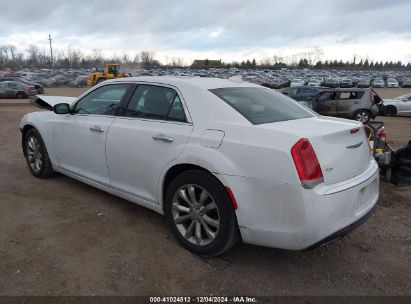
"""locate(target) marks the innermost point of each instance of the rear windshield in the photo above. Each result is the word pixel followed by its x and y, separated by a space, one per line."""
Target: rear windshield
pixel 261 106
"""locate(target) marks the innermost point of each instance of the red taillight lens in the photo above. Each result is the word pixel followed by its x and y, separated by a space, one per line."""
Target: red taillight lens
pixel 381 133
pixel 372 97
pixel 306 163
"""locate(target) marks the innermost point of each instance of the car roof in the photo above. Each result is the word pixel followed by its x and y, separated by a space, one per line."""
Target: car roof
pixel 349 89
pixel 206 83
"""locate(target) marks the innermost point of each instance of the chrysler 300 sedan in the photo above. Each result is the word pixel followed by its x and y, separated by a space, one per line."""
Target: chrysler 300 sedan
pixel 223 160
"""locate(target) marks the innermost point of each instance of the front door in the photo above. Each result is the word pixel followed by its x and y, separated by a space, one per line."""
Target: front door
pixel 79 138
pixel 150 134
pixel 325 103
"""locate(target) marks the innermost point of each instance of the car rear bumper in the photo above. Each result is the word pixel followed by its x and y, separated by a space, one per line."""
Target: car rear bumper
pixel 341 233
pixel 291 217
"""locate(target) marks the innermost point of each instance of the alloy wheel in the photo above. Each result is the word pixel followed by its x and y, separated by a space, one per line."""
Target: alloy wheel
pixel 362 117
pixel 195 214
pixel 34 154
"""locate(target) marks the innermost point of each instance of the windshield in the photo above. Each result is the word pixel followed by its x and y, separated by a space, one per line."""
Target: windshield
pixel 113 69
pixel 259 105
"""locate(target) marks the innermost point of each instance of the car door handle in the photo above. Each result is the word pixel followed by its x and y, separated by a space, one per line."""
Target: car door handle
pixel 96 129
pixel 163 137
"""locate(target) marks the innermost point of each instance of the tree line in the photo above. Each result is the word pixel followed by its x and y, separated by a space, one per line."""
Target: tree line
pixel 39 57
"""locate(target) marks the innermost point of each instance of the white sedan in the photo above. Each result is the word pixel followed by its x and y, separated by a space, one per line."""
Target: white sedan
pixel 400 105
pixel 221 159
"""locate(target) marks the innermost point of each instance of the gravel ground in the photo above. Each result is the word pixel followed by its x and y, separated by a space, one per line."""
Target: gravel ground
pixel 61 237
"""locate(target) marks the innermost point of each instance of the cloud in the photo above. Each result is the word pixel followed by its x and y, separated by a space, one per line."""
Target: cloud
pixel 213 26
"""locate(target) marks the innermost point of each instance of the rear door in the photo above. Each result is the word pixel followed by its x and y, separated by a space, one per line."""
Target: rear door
pixel 10 90
pixel 2 89
pixel 348 103
pixel 151 132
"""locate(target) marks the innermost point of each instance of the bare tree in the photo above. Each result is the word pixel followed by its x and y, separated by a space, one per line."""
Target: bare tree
pixel 147 58
pixel 177 61
pixel 266 61
pixel 74 56
pixel 136 59
pixel 318 54
pixel 33 51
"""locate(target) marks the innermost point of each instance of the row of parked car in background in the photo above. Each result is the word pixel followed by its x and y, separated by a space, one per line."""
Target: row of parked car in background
pixel 349 82
pixel 346 94
pixel 277 79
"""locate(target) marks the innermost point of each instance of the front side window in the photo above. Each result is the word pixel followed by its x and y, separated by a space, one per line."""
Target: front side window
pixel 102 101
pixel 306 91
pixel 12 85
pixel 261 106
pixel 155 102
pixel 326 96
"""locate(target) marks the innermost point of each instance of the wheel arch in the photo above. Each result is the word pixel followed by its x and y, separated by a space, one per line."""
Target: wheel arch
pixel 21 92
pixel 24 131
pixel 174 171
pixel 389 106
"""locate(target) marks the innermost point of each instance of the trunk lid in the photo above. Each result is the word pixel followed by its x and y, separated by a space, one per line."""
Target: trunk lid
pixel 342 153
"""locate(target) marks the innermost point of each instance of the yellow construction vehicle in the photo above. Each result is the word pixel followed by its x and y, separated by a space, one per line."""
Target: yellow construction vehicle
pixel 111 71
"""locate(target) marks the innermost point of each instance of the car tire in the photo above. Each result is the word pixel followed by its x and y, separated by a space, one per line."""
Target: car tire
pixel 363 116
pixel 206 224
pixel 21 95
pixel 36 154
pixel 390 111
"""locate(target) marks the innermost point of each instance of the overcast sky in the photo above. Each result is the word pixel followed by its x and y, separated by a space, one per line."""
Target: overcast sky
pixel 215 29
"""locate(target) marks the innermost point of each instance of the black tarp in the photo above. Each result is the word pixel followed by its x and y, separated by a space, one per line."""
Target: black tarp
pixel 401 171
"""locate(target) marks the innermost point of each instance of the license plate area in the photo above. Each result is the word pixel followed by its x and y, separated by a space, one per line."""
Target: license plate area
pixel 366 196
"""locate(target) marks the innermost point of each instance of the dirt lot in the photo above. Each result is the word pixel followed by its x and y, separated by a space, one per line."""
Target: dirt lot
pixel 61 237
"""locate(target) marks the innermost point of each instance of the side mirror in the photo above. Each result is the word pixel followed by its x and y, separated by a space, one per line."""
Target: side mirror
pixel 61 108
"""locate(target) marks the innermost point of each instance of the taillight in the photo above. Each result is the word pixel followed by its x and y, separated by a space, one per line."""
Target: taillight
pixel 306 163
pixel 32 88
pixel 372 97
pixel 382 133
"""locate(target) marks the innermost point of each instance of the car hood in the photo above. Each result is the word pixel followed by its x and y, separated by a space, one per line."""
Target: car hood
pixel 48 102
pixel 391 101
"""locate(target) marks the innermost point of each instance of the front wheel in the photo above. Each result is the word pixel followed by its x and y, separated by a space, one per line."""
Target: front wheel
pixel 363 116
pixel 390 111
pixel 36 155
pixel 200 214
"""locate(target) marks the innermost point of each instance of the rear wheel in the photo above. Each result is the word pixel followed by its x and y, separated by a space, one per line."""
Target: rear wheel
pixel 21 95
pixel 36 155
pixel 200 214
pixel 390 110
pixel 363 116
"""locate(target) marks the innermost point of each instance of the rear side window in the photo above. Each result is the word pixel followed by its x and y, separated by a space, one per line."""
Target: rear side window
pixel 155 102
pixel 261 106
pixel 351 95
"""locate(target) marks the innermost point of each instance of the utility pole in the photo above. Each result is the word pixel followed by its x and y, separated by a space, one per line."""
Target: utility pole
pixel 51 54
